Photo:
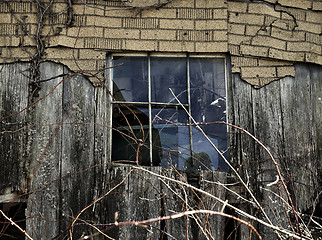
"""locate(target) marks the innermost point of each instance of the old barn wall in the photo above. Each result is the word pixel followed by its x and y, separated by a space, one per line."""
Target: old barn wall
pixel 57 148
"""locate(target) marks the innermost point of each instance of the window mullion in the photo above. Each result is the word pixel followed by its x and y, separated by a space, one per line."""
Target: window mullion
pixel 150 110
pixel 189 103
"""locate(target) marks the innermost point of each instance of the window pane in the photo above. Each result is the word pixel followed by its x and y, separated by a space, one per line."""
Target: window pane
pixel 168 73
pixel 172 138
pixel 130 79
pixel 208 105
pixel 130 125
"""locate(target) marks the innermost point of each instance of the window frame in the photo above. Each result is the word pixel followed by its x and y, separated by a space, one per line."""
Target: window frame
pixel 148 55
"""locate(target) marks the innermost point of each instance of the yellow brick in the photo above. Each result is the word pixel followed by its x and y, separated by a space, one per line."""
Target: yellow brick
pixel 240 7
pixel 59 7
pixel 211 3
pixel 117 12
pixel 244 61
pixel 211 24
pixel 309 27
pixel 254 50
pixel 176 24
pixel 314 38
pixel 285 71
pixel 85 32
pixel 220 13
pixel 211 47
pixel 304 4
pixel 236 28
pixel 286 55
pixel 82 9
pixel 284 24
pixel 304 47
pixel 315 17
pixel 287 35
pixel 18 53
pixel 158 34
pixel 66 42
pixel 258 71
pixel 140 45
pixel 122 33
pixel 140 23
pixel 262 8
pixel 5 41
pixel 191 13
pixel 181 3
pixel 289 13
pixel 160 13
pixel 220 36
pixel 317 5
pixel 5 18
pixel 313 58
pixel 234 49
pixel 103 21
pixel 92 54
pixel 176 46
pixel 15 41
pixel 246 18
pixel 61 53
pixel 140 3
pixel 269 42
pixel 269 62
pixel 238 39
pixel 252 30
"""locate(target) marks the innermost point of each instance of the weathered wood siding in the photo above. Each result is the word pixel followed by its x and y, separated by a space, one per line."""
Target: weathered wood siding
pixel 60 144
pixel 60 159
pixel 286 116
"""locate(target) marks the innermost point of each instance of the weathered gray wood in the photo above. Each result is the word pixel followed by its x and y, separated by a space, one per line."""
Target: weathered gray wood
pixel 213 224
pixel 14 83
pixel 45 154
pixel 137 199
pixel 286 116
pixel 176 199
pixel 77 150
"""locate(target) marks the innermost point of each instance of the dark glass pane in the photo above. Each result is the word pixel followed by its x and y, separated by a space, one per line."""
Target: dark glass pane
pixel 168 73
pixel 130 138
pixel 171 136
pixel 208 105
pixel 130 80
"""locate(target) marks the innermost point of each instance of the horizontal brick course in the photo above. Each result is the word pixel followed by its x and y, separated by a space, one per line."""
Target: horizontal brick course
pixel 262 8
pixel 246 18
pixel 211 24
pixel 176 24
pixel 158 34
pixel 304 47
pixel 211 47
pixel 286 55
pixel 268 42
pixel 258 71
pixel 176 46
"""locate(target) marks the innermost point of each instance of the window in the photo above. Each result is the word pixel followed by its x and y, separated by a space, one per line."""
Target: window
pixel 150 127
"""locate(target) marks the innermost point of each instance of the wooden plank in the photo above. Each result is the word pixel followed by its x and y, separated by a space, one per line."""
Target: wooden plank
pixel 302 131
pixel 138 198
pixel 213 225
pixel 176 199
pixel 78 104
pixel 45 153
pixel 14 83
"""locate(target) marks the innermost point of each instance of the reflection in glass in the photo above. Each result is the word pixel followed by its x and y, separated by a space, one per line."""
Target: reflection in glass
pixel 174 137
pixel 208 105
pixel 168 73
pixel 130 80
pixel 130 133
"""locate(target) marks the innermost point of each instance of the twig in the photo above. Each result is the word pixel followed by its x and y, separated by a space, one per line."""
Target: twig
pixel 16 225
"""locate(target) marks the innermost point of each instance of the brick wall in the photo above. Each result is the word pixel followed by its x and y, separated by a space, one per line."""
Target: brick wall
pixel 264 38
